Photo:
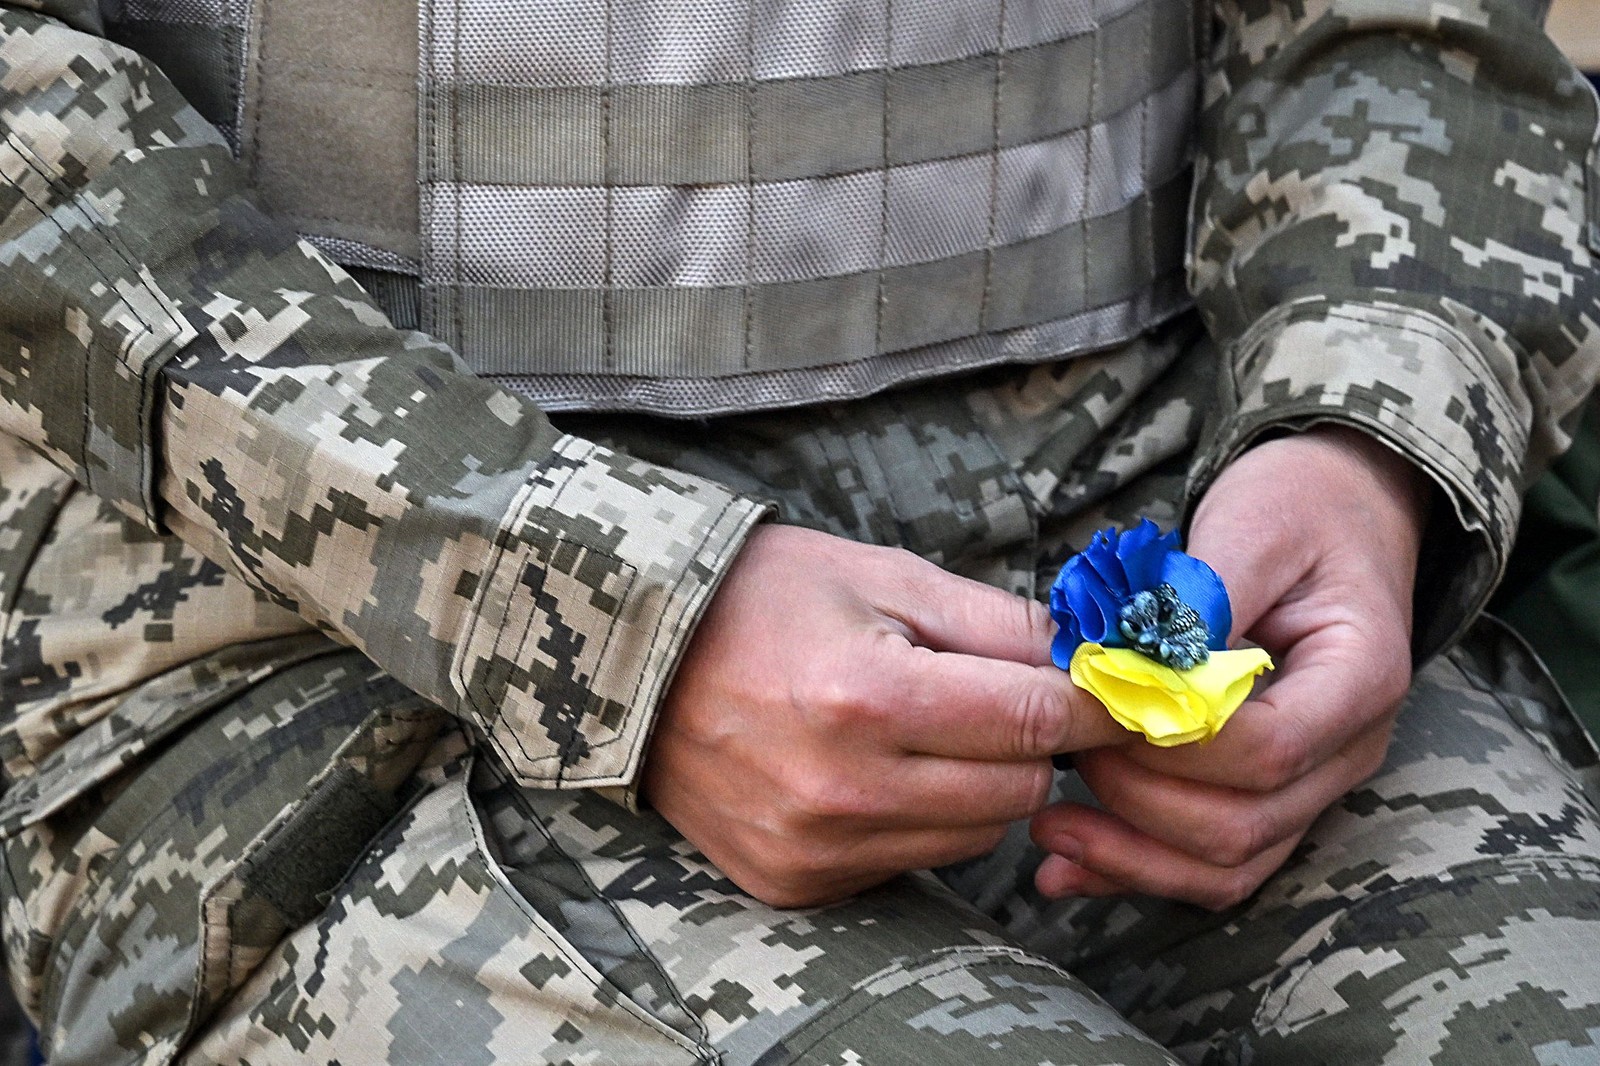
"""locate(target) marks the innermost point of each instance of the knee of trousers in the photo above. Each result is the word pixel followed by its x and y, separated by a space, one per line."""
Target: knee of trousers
pixel 491 925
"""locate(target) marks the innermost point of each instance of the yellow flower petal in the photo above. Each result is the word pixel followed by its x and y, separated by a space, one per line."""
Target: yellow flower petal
pixel 1168 706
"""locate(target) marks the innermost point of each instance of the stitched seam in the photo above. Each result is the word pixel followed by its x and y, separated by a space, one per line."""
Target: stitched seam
pixel 427 138
pixel 466 813
pixel 750 182
pixel 516 519
pixel 955 157
pixel 1147 195
pixel 519 800
pixel 74 202
pixel 456 152
pixel 104 881
pixel 564 773
pixel 1088 150
pixel 592 699
pixel 319 72
pixel 994 170
pixel 534 617
pixel 265 46
pixel 1444 337
pixel 1448 340
pixel 8 608
pixel 237 52
pixel 608 309
pixel 637 736
pixel 1471 677
pixel 883 202
pixel 1442 455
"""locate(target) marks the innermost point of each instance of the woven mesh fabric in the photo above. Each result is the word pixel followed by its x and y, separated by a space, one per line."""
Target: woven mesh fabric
pixel 696 237
pixel 355 254
pixel 945 152
pixel 200 12
pixel 680 42
pixel 520 236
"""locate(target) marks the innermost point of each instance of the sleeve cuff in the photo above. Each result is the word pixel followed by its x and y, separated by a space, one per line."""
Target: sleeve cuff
pixel 585 610
pixel 1422 384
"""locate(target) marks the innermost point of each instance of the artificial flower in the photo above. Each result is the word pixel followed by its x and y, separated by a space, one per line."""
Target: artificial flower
pixel 1136 589
pixel 1144 628
pixel 1168 706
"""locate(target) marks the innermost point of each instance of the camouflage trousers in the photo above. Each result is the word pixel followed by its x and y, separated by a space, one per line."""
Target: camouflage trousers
pixel 313 865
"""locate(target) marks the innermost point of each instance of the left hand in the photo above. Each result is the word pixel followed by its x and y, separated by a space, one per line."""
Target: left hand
pixel 1317 537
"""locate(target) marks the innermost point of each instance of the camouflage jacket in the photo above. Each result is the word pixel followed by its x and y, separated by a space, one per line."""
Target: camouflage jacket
pixel 1390 228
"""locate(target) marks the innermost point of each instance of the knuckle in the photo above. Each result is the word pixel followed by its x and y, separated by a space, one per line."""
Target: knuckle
pixel 905 569
pixel 1239 840
pixel 1024 622
pixel 1283 758
pixel 788 875
pixel 813 797
pixel 1036 723
pixel 1037 622
pixel 833 700
pixel 780 892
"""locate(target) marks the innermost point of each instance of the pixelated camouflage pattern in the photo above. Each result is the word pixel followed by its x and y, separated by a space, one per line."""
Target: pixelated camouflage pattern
pixel 167 877
pixel 1449 902
pixel 209 374
pixel 313 449
pixel 206 374
pixel 1444 913
pixel 1391 229
pixel 496 923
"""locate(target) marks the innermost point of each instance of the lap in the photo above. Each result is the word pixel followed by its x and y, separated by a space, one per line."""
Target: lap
pixel 1445 912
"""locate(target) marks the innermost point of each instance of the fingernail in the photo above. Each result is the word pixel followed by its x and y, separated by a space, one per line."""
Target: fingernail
pixel 1068 847
pixel 1056 878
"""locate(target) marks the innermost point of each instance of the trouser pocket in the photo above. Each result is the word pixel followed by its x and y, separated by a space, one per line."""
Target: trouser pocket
pixel 139 909
pixel 429 954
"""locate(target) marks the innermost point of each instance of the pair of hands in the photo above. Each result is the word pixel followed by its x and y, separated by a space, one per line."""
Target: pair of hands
pixel 845 713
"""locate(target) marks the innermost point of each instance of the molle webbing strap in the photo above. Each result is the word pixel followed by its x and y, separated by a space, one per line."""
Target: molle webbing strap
pixel 747 204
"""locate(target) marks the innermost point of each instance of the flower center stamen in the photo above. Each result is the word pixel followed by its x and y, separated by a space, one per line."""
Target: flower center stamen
pixel 1159 624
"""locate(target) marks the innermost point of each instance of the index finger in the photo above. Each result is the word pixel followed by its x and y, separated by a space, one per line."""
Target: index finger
pixel 969 707
pixel 1327 693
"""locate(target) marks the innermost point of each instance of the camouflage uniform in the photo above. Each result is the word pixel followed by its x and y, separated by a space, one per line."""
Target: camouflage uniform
pixel 232 838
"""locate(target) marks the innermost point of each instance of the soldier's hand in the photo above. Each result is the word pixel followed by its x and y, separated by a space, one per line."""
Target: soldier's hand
pixel 845 713
pixel 1317 538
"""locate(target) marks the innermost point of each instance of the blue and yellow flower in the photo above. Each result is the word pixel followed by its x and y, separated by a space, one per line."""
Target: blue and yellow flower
pixel 1144 628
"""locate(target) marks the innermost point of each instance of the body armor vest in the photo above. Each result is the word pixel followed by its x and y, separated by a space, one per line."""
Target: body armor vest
pixel 695 207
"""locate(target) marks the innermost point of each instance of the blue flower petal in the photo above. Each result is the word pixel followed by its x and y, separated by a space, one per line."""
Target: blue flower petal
pixel 1061 611
pixel 1199 586
pixel 1104 557
pixel 1063 647
pixel 1141 551
pixel 1093 604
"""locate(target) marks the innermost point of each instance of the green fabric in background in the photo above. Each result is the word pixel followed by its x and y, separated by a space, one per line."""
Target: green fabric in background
pixel 1551 592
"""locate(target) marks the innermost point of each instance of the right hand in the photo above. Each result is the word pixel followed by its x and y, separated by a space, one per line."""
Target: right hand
pixel 845 713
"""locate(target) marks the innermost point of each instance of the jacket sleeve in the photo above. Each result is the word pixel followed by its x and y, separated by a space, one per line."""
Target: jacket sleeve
pixel 1391 230
pixel 197 365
